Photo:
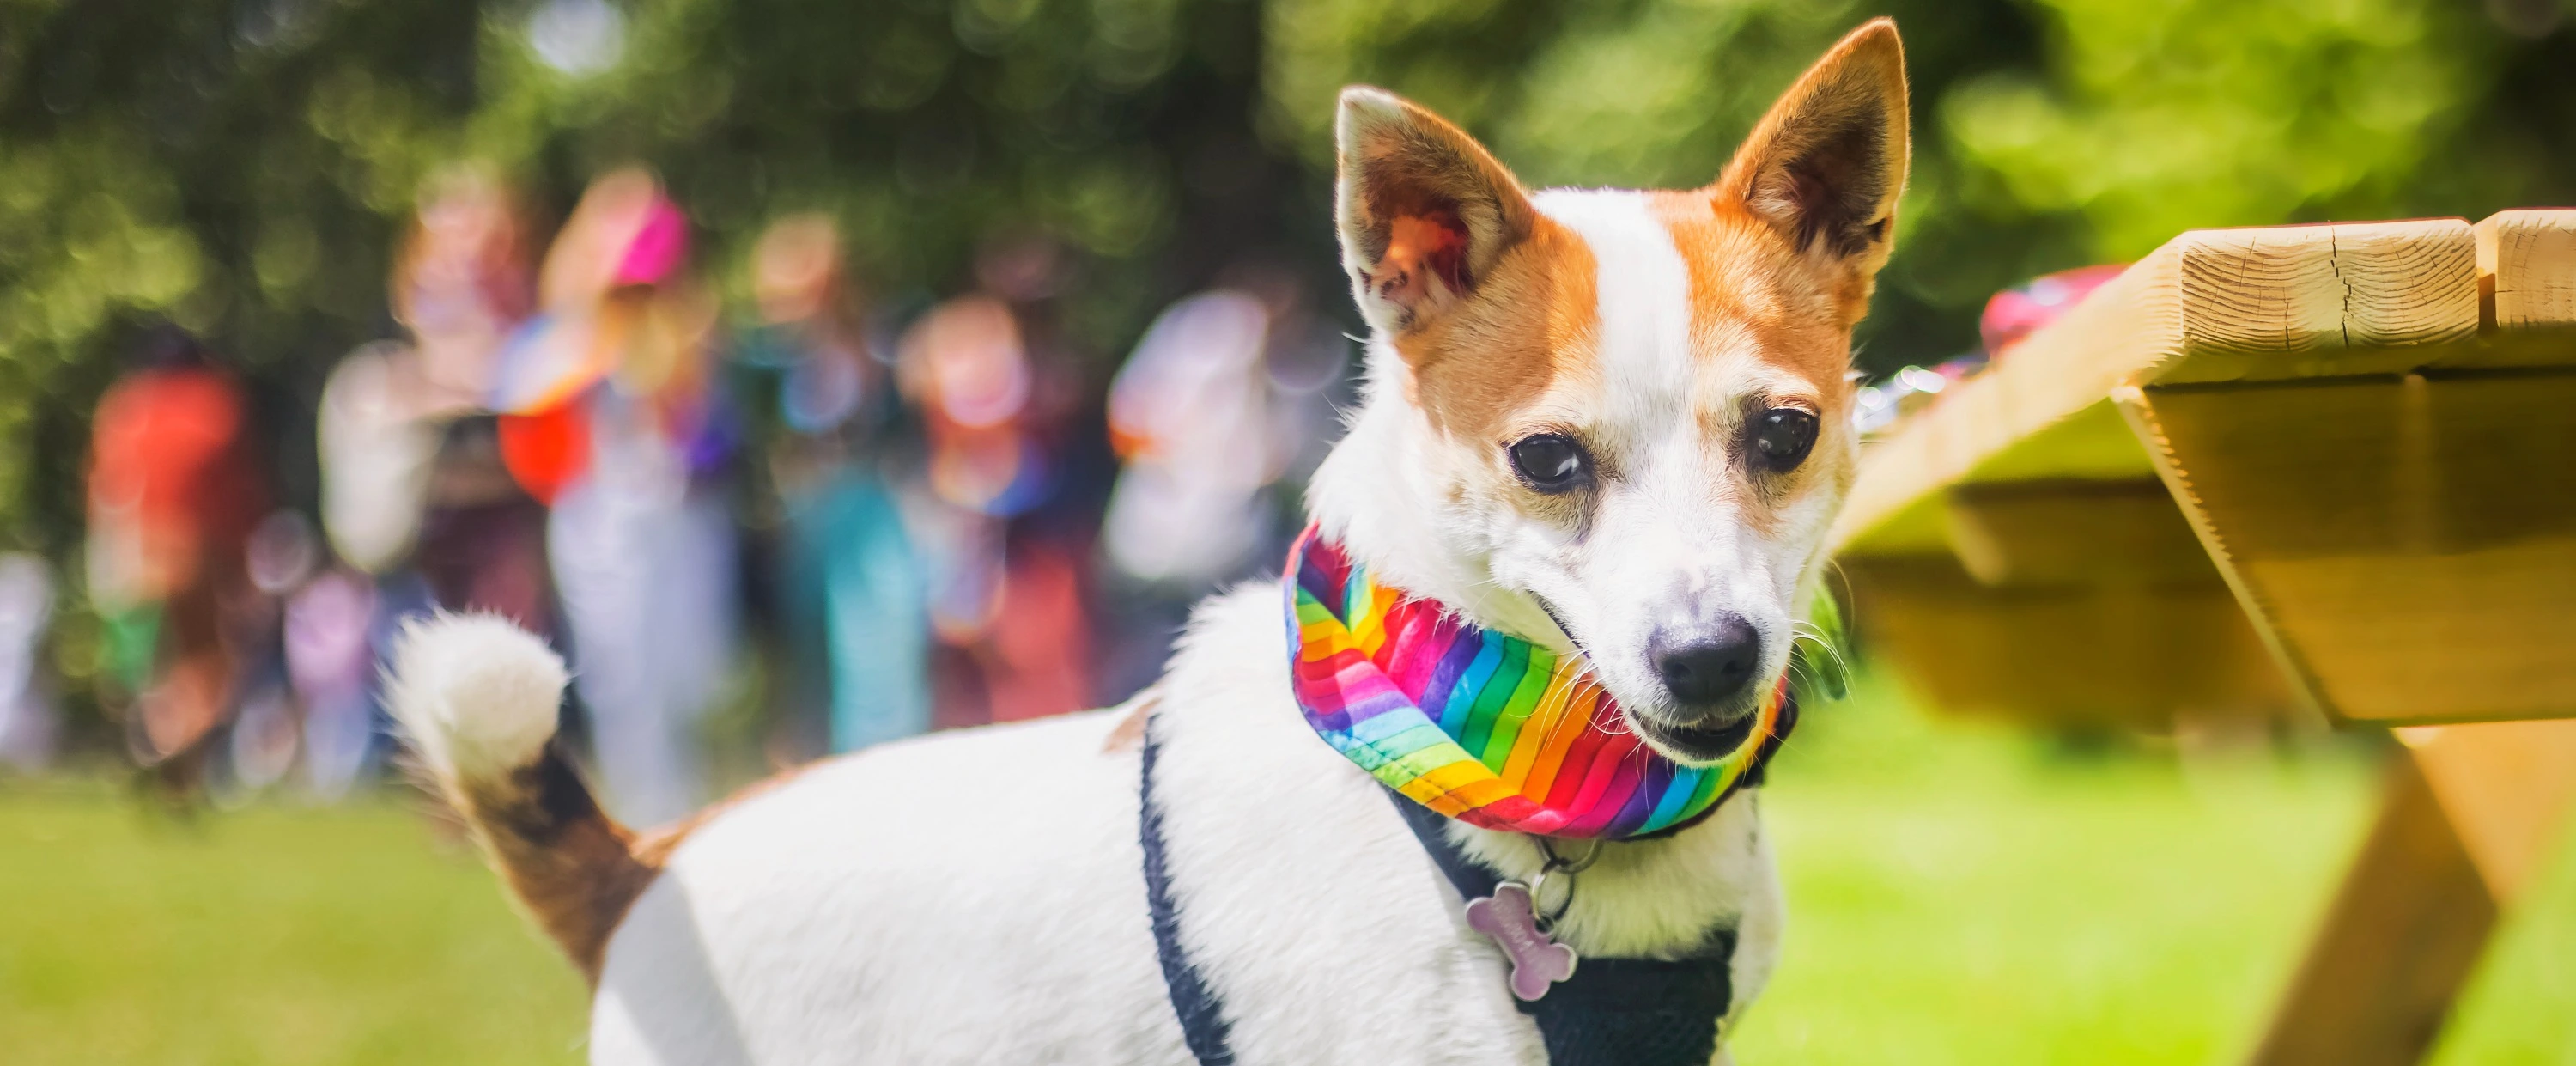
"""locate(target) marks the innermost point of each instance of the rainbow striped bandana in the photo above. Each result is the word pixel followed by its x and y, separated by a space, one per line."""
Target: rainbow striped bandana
pixel 1489 729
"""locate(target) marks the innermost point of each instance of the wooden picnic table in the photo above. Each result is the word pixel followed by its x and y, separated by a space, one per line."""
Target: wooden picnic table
pixel 2306 471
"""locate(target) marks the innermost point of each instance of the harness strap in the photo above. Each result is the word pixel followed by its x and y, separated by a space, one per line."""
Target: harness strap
pixel 1202 1015
pixel 1612 1012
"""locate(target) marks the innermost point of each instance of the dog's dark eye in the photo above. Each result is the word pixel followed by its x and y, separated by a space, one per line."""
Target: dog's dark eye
pixel 1782 437
pixel 1551 462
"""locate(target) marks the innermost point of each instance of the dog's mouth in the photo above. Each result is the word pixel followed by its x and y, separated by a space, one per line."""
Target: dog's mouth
pixel 1695 743
pixel 1685 743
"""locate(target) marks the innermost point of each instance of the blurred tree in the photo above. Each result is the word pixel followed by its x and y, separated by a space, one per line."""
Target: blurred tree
pixel 2160 115
pixel 239 166
pixel 2048 133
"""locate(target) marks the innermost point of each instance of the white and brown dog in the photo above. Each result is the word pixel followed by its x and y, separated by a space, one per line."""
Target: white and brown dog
pixel 1629 407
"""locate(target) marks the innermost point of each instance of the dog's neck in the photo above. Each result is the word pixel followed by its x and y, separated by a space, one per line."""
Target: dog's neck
pixel 1375 496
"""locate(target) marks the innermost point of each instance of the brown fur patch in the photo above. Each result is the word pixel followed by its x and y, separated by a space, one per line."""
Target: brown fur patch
pixel 1754 295
pixel 1826 164
pixel 1129 733
pixel 572 869
pixel 1746 280
pixel 1530 320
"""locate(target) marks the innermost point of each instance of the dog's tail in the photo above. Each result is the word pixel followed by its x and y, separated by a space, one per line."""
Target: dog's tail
pixel 478 698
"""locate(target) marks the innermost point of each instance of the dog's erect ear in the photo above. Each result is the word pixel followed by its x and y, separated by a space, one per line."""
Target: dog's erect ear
pixel 1424 210
pixel 1826 165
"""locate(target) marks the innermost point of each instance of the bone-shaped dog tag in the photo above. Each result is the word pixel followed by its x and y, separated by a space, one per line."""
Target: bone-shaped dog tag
pixel 1538 961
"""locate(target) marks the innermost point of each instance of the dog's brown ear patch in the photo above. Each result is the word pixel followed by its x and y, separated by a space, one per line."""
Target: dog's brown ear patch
pixel 1424 211
pixel 1825 166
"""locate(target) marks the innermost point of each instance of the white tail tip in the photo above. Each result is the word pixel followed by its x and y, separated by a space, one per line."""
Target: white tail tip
pixel 476 694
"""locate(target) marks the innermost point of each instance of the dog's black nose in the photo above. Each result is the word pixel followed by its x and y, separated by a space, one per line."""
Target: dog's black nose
pixel 1709 662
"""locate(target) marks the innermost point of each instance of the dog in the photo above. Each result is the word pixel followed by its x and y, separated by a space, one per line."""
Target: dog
pixel 1612 424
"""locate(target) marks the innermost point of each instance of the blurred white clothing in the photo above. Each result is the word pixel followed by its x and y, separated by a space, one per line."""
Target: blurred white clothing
pixel 646 569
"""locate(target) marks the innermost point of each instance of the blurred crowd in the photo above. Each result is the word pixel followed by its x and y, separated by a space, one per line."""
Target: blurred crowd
pixel 744 490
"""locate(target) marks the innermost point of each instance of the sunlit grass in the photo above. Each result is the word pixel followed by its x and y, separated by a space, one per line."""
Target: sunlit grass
pixel 276 936
pixel 1967 894
pixel 1958 894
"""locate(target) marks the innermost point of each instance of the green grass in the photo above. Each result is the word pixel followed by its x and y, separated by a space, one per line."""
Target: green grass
pixel 1966 894
pixel 1958 894
pixel 276 936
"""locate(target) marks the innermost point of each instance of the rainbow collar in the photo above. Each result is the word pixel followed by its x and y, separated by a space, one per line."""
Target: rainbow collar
pixel 1489 729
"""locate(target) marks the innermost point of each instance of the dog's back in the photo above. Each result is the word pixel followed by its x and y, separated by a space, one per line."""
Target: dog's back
pixel 922 901
pixel 977 896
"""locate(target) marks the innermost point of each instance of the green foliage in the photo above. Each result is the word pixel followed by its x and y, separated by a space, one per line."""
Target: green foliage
pixel 2048 134
pixel 2165 115
pixel 243 166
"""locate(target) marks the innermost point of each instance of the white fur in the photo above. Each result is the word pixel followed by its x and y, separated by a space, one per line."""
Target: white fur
pixel 976 897
pixel 476 695
pixel 1668 532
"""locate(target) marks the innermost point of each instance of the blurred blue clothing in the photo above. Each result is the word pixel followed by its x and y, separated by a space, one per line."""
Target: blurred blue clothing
pixel 851 579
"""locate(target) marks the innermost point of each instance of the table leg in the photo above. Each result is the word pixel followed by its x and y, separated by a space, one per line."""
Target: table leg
pixel 2465 822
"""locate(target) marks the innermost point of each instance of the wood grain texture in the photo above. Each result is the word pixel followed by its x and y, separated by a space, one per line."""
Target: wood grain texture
pixel 2527 269
pixel 2401 937
pixel 2258 304
pixel 2258 293
pixel 2408 546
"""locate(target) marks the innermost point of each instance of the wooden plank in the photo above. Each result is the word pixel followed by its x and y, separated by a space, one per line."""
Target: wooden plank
pixel 2507 788
pixel 2527 269
pixel 2408 545
pixel 2051 377
pixel 2405 541
pixel 2211 305
pixel 2105 655
pixel 2309 301
pixel 2037 533
pixel 2401 937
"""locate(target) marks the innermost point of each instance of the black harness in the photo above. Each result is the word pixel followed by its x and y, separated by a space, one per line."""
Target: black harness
pixel 1612 1012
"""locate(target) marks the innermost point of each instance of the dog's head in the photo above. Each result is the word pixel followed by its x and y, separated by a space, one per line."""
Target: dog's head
pixel 1622 417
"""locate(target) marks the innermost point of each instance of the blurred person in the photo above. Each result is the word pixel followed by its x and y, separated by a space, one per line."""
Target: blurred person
pixel 851 599
pixel 283 550
pixel 1216 405
pixel 614 418
pixel 1189 412
pixel 313 701
pixel 413 475
pixel 30 723
pixel 1007 599
pixel 331 663
pixel 414 493
pixel 172 498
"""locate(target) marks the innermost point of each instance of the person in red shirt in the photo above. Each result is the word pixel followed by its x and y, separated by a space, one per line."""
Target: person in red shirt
pixel 173 495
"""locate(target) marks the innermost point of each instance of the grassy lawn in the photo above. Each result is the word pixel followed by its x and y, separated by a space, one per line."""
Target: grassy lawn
pixel 276 936
pixel 1958 895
